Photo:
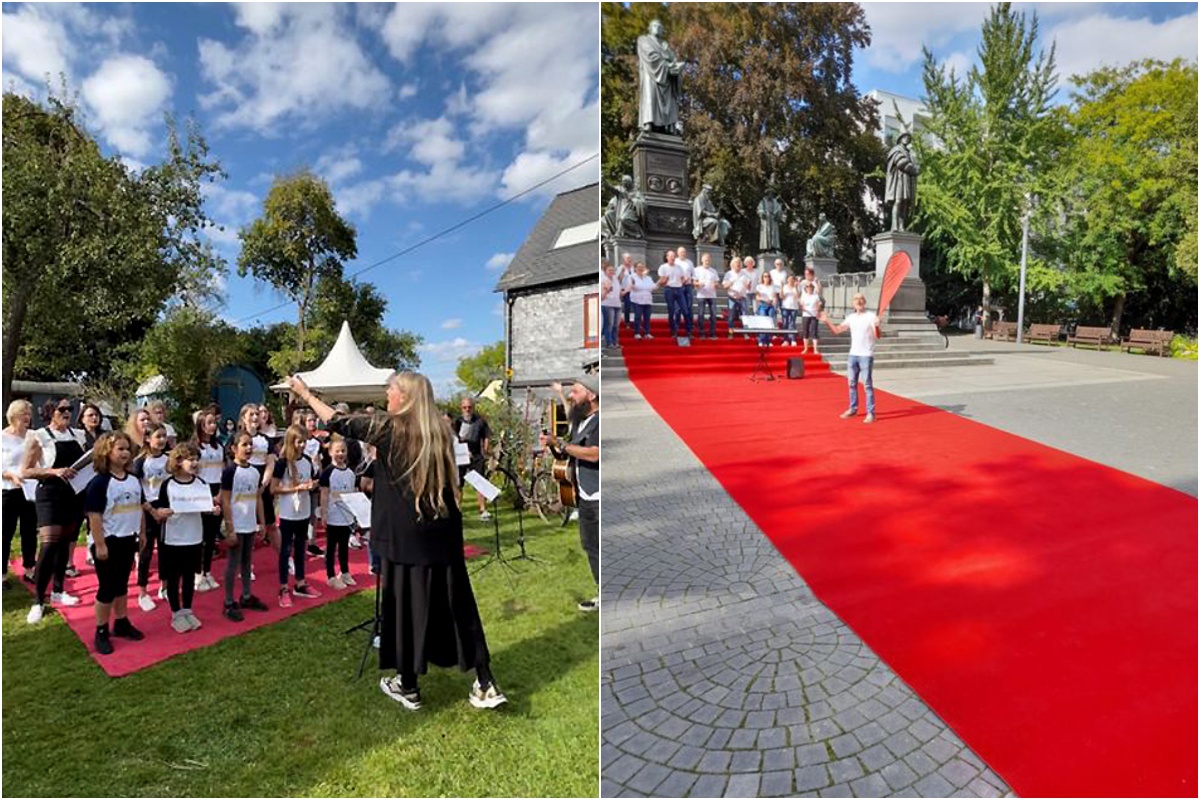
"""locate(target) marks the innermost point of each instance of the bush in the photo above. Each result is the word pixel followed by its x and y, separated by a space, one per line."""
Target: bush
pixel 1183 347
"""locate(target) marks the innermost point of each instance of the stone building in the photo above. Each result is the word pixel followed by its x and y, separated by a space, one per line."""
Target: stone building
pixel 552 295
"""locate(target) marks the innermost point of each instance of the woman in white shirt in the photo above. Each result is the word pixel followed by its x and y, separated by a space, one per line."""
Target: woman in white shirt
pixel 610 304
pixel 735 286
pixel 18 507
pixel 810 308
pixel 641 295
pixel 789 302
pixel 764 298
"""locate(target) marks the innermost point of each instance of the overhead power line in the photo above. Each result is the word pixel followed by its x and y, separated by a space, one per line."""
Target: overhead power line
pixel 435 236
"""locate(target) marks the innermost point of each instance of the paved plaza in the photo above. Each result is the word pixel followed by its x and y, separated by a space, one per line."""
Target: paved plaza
pixel 722 675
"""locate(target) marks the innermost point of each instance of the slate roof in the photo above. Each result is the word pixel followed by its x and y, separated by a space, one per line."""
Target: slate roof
pixel 537 264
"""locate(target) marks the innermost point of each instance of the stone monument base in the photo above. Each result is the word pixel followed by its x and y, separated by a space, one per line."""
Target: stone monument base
pixel 823 268
pixel 716 254
pixel 910 298
pixel 616 248
pixel 767 260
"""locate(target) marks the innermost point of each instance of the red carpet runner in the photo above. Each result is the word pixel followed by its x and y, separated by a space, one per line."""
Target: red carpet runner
pixel 162 642
pixel 1042 604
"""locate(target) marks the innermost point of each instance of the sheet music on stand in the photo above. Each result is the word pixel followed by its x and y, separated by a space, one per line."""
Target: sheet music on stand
pixel 757 325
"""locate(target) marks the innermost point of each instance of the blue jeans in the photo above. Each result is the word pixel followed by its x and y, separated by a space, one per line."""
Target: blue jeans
pixel 857 364
pixel 789 323
pixel 687 306
pixel 765 310
pixel 736 309
pixel 709 304
pixel 641 319
pixel 611 316
pixel 674 296
pixel 627 307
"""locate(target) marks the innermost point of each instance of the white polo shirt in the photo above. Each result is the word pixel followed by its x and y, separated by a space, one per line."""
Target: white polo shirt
pixel 707 278
pixel 673 273
pixel 862 332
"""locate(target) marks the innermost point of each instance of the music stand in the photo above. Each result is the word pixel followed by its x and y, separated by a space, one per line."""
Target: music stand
pixel 373 623
pixel 524 556
pixel 759 326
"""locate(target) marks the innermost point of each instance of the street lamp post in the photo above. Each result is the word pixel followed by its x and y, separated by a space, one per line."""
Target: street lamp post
pixel 1024 261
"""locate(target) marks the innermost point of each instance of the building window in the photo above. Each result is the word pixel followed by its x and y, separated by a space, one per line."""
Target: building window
pixel 591 320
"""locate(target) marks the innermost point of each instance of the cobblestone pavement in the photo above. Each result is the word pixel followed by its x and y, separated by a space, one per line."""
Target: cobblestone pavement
pixel 722 675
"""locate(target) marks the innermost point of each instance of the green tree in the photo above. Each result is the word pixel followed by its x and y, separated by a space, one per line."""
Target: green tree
pixel 361 305
pixel 991 138
pixel 1128 194
pixel 767 95
pixel 476 371
pixel 299 239
pixel 92 252
pixel 188 346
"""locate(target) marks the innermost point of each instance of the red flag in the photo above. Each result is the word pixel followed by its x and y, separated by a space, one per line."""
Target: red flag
pixel 896 271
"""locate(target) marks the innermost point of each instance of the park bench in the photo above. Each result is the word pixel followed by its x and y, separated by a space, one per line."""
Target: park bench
pixel 1149 341
pixel 1004 331
pixel 1101 337
pixel 1039 332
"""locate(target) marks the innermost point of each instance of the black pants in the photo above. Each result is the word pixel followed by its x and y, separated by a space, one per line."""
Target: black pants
pixel 337 539
pixel 293 535
pixel 113 572
pixel 177 565
pixel 239 556
pixel 212 532
pixel 51 562
pixel 16 510
pixel 589 534
pixel 147 553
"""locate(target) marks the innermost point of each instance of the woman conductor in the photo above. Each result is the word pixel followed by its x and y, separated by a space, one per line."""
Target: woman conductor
pixel 429 611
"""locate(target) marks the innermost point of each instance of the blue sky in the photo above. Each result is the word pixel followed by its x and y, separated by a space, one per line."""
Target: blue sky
pixel 1088 35
pixel 417 115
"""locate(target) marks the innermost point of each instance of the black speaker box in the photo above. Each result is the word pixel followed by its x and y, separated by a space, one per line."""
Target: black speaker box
pixel 795 368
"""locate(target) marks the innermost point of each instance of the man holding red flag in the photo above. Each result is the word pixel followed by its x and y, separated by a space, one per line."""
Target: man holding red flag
pixel 864 331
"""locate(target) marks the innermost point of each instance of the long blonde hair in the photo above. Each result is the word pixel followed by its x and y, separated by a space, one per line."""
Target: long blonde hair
pixel 293 448
pixel 421 445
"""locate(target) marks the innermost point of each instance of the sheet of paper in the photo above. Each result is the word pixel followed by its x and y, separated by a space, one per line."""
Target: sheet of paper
pixel 462 454
pixel 83 476
pixel 359 505
pixel 312 447
pixel 489 490
pixel 190 498
pixel 30 487
pixel 84 460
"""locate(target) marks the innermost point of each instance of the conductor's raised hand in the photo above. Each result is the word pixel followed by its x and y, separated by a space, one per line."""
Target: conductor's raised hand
pixel 297 386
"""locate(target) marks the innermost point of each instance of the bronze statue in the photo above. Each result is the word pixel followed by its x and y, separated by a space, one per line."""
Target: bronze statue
pixel 902 173
pixel 625 211
pixel 821 243
pixel 770 210
pixel 658 82
pixel 708 227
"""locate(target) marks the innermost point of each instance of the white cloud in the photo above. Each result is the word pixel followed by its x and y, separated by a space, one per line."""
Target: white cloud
pixel 226 203
pixel 1100 39
pixel 447 182
pixel 530 168
pixel 36 44
pixel 49 39
pixel 448 351
pixel 271 76
pixel 452 324
pixel 406 91
pixel 336 167
pixel 127 94
pixel 898 30
pixel 431 140
pixel 498 261
pixel 358 199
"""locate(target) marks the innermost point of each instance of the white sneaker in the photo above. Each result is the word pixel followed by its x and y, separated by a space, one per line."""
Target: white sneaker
pixel 162 593
pixel 253 577
pixel 375 642
pixel 63 599
pixel 35 614
pixel 637 336
pixel 485 515
pixel 146 604
pixel 201 583
pixel 335 583
pixel 212 582
pixel 347 580
pixel 355 542
pixel 649 335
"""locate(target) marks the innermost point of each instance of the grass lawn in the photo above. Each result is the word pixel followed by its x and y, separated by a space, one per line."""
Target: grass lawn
pixel 277 711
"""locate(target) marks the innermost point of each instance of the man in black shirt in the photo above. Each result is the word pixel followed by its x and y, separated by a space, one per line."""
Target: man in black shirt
pixel 473 429
pixel 582 446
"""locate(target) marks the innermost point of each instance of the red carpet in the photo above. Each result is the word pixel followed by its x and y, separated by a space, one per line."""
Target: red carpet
pixel 1045 606
pixel 162 642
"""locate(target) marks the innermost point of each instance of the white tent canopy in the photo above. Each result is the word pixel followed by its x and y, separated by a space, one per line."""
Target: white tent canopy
pixel 345 374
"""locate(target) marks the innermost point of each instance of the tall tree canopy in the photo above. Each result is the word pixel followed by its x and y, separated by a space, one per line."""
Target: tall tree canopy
pixel 991 138
pixel 478 370
pixel 299 239
pixel 766 94
pixel 90 246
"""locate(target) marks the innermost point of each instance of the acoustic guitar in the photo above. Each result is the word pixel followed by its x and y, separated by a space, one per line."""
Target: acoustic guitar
pixel 563 470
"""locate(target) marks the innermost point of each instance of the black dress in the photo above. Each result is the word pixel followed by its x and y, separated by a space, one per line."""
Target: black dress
pixel 428 607
pixel 55 500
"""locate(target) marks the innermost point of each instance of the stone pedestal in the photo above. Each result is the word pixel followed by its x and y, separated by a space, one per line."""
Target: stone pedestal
pixel 823 268
pixel 715 252
pixel 660 172
pixel 616 248
pixel 910 298
pixel 767 259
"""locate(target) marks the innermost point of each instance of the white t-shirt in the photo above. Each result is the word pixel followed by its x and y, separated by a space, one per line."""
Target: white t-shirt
pixel 260 448
pixel 613 298
pixel 764 292
pixel 339 481
pixel 809 301
pixel 14 456
pixel 242 484
pixel 707 278
pixel 212 462
pixel 862 332
pixel 687 266
pixel 294 505
pixel 673 273
pixel 642 290
pixel 735 284
pixel 791 297
pixel 153 471
pixel 118 501
pixel 778 279
pixel 179 529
